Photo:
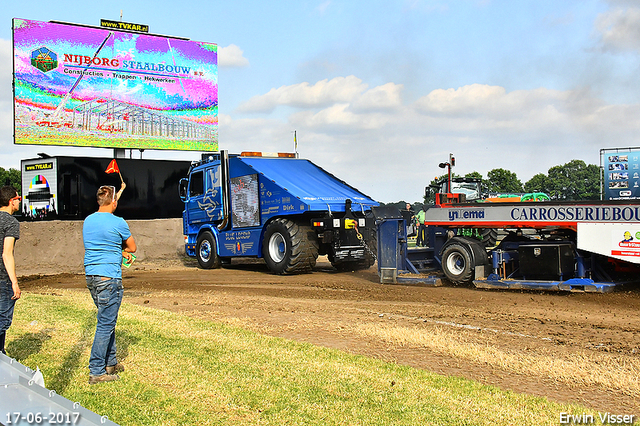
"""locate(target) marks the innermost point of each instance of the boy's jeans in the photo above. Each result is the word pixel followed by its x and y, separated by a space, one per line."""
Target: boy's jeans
pixel 107 296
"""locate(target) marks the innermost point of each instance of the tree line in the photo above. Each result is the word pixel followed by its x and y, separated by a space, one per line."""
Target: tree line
pixel 572 181
pixel 11 177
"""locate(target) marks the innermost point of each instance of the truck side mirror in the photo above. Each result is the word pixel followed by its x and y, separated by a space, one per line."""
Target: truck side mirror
pixel 182 188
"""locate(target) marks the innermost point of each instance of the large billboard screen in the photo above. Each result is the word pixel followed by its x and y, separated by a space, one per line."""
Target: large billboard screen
pixel 88 86
pixel 622 175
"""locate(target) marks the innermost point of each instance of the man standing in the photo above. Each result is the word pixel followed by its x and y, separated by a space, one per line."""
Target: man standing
pixel 107 239
pixel 408 216
pixel 9 233
pixel 420 218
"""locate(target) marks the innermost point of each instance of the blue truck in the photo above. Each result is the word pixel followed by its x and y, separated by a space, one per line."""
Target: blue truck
pixel 281 208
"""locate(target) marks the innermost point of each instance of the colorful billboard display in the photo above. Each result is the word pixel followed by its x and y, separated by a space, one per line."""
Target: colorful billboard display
pixel 87 86
pixel 622 174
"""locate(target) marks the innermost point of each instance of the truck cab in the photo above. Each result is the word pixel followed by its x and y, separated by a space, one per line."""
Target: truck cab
pixel 281 208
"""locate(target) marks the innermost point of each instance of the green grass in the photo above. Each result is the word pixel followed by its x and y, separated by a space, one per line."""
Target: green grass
pixel 181 370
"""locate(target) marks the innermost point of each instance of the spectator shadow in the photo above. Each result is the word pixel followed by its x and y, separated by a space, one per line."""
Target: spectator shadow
pixel 123 341
pixel 71 362
pixel 28 344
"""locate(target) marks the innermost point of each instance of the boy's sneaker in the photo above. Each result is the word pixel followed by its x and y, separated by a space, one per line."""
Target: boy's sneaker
pixel 118 368
pixel 103 378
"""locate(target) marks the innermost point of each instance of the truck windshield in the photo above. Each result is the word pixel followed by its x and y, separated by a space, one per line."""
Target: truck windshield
pixel 470 189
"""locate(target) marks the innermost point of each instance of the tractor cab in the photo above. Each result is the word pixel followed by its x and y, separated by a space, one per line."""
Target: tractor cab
pixel 463 190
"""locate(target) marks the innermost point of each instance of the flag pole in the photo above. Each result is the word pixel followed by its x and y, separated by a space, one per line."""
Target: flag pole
pixel 122 185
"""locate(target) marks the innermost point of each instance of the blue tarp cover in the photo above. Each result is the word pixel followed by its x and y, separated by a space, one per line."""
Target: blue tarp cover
pixel 308 182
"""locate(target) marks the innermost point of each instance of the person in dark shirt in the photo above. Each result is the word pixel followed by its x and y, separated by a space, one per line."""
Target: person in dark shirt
pixel 9 233
pixel 409 218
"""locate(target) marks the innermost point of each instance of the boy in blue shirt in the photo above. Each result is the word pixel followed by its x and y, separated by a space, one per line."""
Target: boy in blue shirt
pixel 107 239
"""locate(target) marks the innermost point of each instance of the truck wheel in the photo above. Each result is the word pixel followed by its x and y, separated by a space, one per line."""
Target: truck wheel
pixel 457 264
pixel 206 252
pixel 289 248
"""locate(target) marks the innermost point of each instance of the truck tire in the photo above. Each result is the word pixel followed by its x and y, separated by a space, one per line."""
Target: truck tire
pixel 289 248
pixel 206 251
pixel 457 264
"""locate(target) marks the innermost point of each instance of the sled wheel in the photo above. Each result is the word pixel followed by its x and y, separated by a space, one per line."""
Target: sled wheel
pixel 206 251
pixel 289 248
pixel 457 264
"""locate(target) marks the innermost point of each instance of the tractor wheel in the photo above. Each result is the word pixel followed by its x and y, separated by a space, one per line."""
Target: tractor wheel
pixel 489 237
pixel 457 264
pixel 289 248
pixel 206 251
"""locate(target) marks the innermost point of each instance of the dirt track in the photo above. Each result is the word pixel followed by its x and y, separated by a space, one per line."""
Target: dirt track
pixel 351 311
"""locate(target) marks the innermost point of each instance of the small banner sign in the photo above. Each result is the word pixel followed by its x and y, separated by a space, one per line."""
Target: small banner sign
pixel 124 26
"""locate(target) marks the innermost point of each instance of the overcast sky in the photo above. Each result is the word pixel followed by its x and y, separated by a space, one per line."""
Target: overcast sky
pixel 380 92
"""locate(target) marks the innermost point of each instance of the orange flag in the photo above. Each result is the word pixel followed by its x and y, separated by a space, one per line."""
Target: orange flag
pixel 113 167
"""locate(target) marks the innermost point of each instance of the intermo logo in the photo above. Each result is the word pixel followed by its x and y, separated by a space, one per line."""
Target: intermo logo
pixel 44 59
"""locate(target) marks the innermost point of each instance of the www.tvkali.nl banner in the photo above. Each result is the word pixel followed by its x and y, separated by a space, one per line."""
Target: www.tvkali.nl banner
pixel 87 86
